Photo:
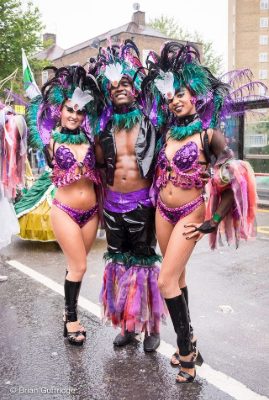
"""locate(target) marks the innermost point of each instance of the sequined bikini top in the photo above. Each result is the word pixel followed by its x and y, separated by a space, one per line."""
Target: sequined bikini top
pixel 67 169
pixel 183 170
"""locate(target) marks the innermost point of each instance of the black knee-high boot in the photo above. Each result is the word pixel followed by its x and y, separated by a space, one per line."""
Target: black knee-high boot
pixel 178 310
pixel 71 291
pixel 186 295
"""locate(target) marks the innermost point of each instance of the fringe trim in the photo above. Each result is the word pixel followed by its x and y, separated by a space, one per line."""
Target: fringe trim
pixel 181 132
pixel 143 260
pixel 130 260
pixel 116 257
pixel 127 120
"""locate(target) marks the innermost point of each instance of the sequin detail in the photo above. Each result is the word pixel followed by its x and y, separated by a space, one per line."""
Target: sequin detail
pixel 182 171
pixel 173 215
pixel 67 169
pixel 81 217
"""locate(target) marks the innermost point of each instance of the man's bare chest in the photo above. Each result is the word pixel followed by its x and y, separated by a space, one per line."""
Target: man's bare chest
pixel 126 141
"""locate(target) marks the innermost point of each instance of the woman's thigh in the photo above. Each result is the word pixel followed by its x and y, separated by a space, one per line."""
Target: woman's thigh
pixel 163 231
pixel 69 236
pixel 89 231
pixel 178 249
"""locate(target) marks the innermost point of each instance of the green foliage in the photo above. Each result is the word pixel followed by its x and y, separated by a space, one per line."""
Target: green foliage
pixel 170 28
pixel 20 27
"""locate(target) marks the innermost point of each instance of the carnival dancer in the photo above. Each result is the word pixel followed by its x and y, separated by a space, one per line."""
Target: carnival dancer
pixel 126 141
pixel 196 100
pixel 60 124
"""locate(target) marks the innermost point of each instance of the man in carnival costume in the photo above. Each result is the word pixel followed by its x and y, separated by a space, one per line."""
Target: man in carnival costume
pixel 126 141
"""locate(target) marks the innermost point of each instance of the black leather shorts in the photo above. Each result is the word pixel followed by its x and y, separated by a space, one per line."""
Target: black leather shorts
pixel 131 232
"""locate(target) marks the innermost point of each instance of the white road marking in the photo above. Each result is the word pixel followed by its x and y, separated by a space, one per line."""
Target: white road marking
pixel 221 381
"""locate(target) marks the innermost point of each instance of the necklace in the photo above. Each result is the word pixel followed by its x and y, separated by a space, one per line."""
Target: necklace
pixel 186 127
pixel 127 120
pixel 69 137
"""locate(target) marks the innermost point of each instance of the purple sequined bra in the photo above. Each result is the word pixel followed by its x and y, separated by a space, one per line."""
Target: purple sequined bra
pixel 182 171
pixel 68 170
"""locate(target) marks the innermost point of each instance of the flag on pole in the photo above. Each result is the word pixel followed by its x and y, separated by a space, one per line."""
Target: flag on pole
pixel 29 82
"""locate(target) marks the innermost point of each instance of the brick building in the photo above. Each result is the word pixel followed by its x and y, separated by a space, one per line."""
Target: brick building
pixel 145 37
pixel 248 47
pixel 248 34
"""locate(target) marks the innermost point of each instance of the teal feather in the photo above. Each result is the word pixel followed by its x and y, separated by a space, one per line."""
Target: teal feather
pixel 31 118
pixel 218 102
pixel 116 257
pixel 148 261
pixel 69 138
pixel 181 132
pixel 127 120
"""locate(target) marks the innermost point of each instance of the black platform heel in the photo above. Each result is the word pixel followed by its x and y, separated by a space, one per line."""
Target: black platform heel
pixel 72 290
pixel 82 330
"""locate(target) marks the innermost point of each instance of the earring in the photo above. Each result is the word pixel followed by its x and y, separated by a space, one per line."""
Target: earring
pixel 193 100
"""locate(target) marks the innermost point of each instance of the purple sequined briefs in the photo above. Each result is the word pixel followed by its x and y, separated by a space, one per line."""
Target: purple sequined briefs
pixel 173 215
pixel 81 217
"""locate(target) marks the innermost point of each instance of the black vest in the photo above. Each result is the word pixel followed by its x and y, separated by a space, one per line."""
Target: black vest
pixel 144 149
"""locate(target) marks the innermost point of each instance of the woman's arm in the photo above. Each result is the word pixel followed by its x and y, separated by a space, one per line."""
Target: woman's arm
pixel 232 199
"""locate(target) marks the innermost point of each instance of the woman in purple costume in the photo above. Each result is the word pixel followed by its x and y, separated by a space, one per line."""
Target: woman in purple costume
pixel 193 98
pixel 61 126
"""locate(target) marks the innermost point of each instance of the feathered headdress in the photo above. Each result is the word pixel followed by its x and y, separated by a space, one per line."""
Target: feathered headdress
pixel 117 61
pixel 179 66
pixel 44 111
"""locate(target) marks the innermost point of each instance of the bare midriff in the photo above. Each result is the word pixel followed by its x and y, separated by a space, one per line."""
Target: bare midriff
pixel 79 194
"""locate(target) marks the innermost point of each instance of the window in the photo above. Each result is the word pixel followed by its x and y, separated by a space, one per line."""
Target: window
pixel 45 77
pixel 259 140
pixel 263 57
pixel 263 74
pixel 264 4
pixel 263 39
pixel 263 22
pixel 262 91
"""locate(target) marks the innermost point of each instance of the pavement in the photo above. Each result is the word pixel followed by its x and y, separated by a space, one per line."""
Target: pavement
pixel 37 363
pixel 229 307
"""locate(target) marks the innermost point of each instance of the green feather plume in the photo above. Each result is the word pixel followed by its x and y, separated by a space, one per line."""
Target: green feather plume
pixel 127 120
pixel 31 118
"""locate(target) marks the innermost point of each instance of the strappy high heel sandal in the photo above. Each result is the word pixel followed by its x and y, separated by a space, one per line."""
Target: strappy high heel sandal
pixel 196 359
pixel 82 329
pixel 73 336
pixel 175 358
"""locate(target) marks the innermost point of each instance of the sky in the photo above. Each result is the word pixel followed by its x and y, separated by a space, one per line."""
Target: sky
pixel 75 21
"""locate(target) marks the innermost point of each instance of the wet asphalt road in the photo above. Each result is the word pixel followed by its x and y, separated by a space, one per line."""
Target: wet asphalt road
pixel 229 300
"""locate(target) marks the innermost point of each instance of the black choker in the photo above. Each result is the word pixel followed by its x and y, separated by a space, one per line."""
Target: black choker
pixel 124 109
pixel 185 121
pixel 66 131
